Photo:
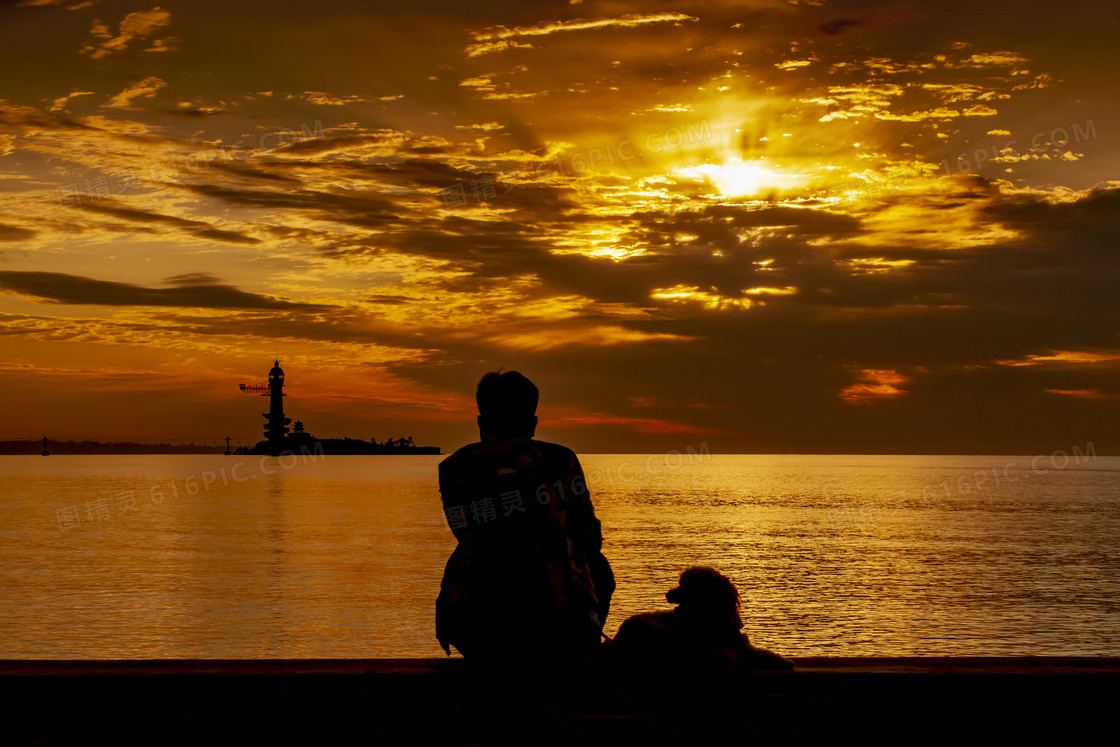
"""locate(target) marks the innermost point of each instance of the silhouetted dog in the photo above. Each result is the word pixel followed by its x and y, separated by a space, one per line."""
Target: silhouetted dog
pixel 704 632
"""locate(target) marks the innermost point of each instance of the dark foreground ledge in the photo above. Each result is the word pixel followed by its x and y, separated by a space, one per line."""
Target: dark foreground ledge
pixel 434 701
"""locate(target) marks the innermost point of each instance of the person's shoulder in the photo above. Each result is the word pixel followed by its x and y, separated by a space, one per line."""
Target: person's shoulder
pixel 553 450
pixel 525 450
pixel 489 452
pixel 465 453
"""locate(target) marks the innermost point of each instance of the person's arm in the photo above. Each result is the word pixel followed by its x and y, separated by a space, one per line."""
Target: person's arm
pixel 455 509
pixel 584 527
pixel 586 533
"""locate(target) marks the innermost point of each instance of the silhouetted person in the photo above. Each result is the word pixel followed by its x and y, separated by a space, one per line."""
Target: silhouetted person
pixel 704 632
pixel 528 579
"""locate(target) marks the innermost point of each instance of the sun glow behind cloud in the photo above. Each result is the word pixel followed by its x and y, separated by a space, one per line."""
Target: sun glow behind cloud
pixel 738 178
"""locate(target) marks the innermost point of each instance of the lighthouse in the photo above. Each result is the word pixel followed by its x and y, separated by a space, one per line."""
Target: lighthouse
pixel 277 428
pixel 279 442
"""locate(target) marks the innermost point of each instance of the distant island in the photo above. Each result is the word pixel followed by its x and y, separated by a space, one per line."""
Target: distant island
pixel 308 445
pixel 279 441
pixel 294 444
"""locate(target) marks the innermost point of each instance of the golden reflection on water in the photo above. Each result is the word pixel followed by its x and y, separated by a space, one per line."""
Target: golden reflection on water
pixel 183 556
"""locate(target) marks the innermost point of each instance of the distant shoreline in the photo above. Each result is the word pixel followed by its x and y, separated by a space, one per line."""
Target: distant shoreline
pixel 23 448
pixel 77 448
pixel 318 447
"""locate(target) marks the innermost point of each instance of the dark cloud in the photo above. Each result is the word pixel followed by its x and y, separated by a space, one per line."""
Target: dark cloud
pixel 16 118
pixel 1097 214
pixel 201 229
pixel 196 113
pixel 366 209
pixel 259 170
pixel 839 26
pixel 116 210
pixel 60 288
pixel 319 146
pixel 193 278
pixel 230 237
pixel 386 299
pixel 15 233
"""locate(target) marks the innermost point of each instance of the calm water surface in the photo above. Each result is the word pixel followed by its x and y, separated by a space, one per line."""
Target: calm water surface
pixel 170 556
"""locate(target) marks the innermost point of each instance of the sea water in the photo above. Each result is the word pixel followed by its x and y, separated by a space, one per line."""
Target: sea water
pixel 316 556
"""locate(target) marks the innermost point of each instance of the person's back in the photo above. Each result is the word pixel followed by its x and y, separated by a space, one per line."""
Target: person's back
pixel 528 574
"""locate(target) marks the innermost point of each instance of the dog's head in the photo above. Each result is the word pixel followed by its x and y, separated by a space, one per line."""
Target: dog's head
pixel 707 597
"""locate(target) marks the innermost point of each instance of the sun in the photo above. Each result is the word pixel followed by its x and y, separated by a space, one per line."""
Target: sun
pixel 739 178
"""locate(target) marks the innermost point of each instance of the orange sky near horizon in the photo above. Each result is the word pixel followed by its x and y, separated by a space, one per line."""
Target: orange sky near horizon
pixel 770 226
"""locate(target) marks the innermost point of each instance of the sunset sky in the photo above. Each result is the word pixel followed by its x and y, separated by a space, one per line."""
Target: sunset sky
pixel 768 225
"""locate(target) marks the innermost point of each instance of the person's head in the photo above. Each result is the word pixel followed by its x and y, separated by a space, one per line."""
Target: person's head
pixel 507 406
pixel 707 597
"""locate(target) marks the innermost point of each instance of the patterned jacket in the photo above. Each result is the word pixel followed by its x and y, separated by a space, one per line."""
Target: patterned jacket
pixel 529 560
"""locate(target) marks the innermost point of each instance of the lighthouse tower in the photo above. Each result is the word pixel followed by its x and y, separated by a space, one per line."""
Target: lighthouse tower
pixel 277 428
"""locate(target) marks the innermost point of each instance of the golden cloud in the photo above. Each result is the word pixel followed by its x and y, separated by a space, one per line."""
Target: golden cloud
pixel 497 38
pixel 875 384
pixel 134 26
pixel 144 89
